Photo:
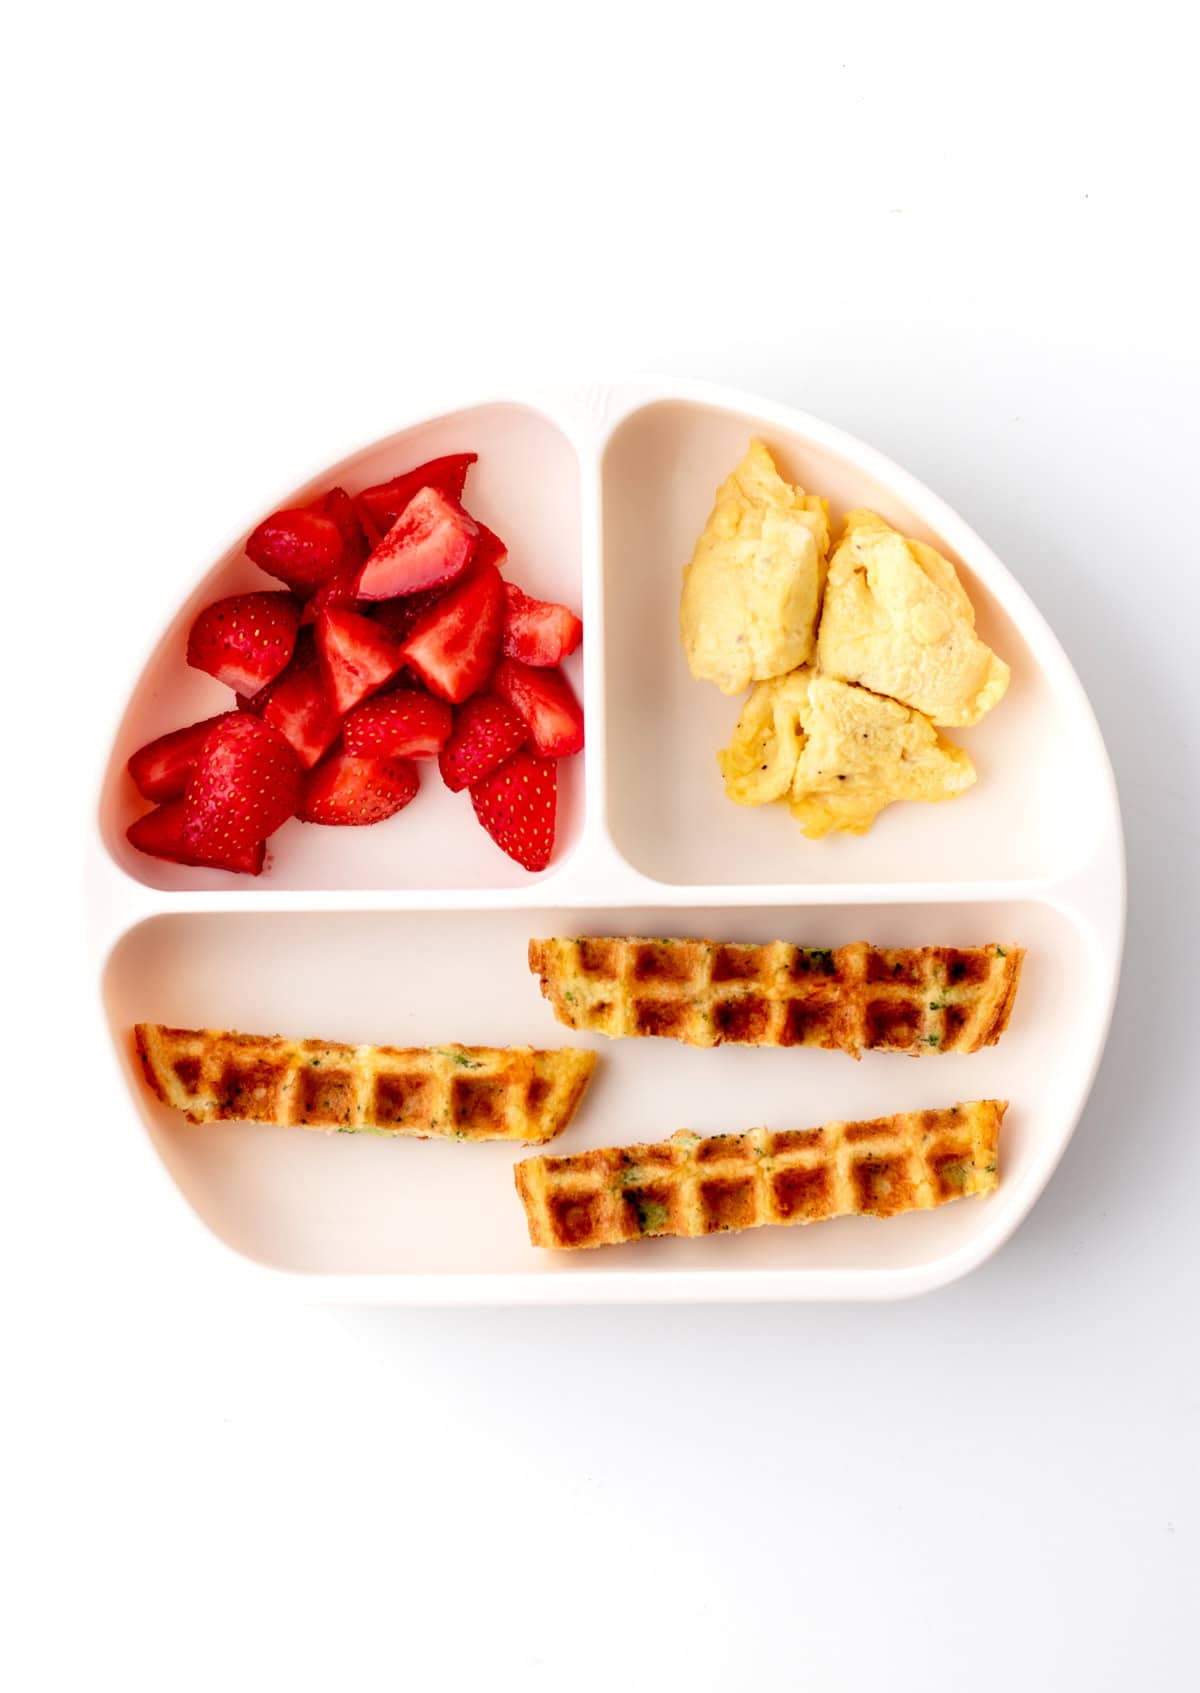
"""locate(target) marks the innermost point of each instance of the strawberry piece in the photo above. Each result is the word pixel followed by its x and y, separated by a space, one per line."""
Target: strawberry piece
pixel 299 709
pixel 370 528
pixel 517 804
pixel 431 542
pixel 340 509
pixel 400 617
pixel 349 791
pixel 301 545
pixel 244 784
pixel 380 506
pixel 304 654
pixel 245 640
pixel 546 701
pixel 486 733
pixel 305 546
pixel 538 632
pixel 403 724
pixel 454 645
pixel 160 833
pixel 357 657
pixel 161 768
pixel 340 590
pixel 489 549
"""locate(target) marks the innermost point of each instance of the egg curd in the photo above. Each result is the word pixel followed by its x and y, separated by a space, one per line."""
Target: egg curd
pixel 853 662
pixel 837 754
pixel 752 592
pixel 897 620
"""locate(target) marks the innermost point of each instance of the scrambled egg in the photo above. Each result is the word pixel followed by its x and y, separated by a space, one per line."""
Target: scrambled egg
pixel 838 754
pixel 897 620
pixel 753 589
pixel 851 663
pixel 759 764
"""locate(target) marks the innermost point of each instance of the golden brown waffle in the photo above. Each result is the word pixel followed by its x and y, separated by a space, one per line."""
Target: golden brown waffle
pixel 693 1186
pixel 921 1000
pixel 460 1092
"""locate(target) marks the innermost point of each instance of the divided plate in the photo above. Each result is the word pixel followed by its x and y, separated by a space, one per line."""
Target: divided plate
pixel 415 930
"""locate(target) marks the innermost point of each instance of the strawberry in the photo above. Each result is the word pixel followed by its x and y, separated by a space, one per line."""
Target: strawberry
pixel 160 833
pixel 245 640
pixel 340 590
pixel 302 654
pixel 356 655
pixel 486 732
pixel 489 549
pixel 296 705
pixel 538 632
pixel 160 769
pixel 454 645
pixel 244 784
pixel 340 509
pixel 301 545
pixel 431 542
pixel 347 791
pixel 545 699
pixel 516 805
pixel 400 617
pixel 404 724
pixel 379 507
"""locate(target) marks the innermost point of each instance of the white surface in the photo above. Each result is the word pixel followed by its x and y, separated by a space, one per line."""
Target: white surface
pixel 969 238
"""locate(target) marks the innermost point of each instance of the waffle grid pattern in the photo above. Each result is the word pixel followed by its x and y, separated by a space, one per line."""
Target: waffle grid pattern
pixel 853 998
pixel 456 1092
pixel 692 1186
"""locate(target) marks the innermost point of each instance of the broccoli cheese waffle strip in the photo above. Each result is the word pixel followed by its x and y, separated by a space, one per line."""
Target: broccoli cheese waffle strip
pixel 459 1092
pixel 693 1186
pixel 921 1000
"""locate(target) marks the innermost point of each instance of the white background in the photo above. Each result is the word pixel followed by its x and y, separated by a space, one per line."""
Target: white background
pixel 245 238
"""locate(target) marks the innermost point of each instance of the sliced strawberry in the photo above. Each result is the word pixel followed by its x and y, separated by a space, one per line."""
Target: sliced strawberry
pixel 340 590
pixel 245 640
pixel 161 768
pixel 352 791
pixel 356 655
pixel 538 632
pixel 301 545
pixel 304 654
pixel 370 528
pixel 299 709
pixel 380 506
pixel 340 509
pixel 407 723
pixel 400 617
pixel 486 733
pixel 454 645
pixel 517 804
pixel 160 833
pixel 244 784
pixel 431 542
pixel 297 705
pixel 489 549
pixel 305 546
pixel 545 699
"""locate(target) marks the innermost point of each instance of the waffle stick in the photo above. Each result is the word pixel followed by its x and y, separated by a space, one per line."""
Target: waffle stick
pixel 456 1092
pixel 690 1185
pixel 918 1001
